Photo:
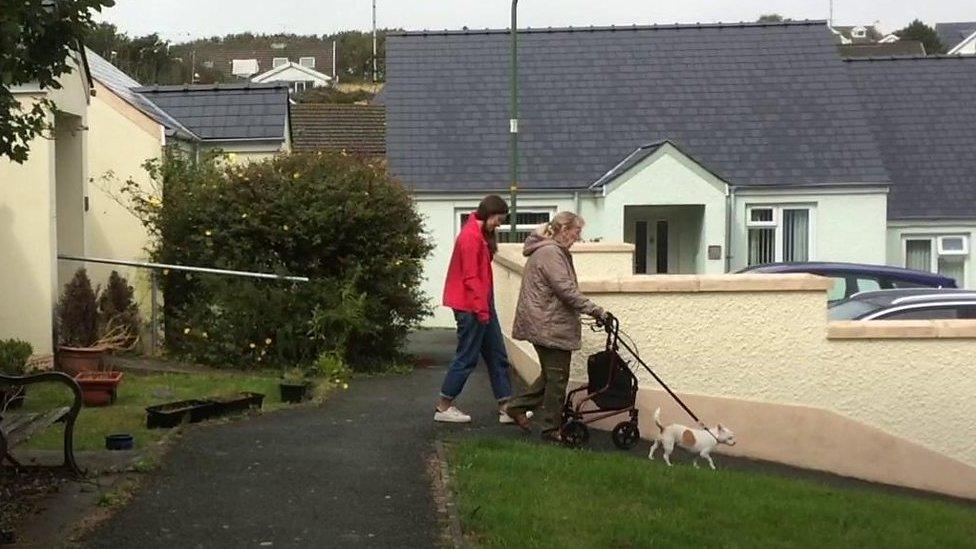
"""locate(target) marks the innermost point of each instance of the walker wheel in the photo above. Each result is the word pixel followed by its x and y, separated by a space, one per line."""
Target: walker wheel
pixel 575 434
pixel 626 435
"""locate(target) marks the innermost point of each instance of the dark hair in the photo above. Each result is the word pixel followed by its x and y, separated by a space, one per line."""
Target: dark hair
pixel 489 206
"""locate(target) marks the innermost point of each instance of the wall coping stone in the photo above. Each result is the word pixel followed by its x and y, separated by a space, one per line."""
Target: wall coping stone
pixel 902 329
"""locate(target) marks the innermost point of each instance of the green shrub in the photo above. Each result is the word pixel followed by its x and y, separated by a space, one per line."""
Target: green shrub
pixel 117 308
pixel 334 218
pixel 13 356
pixel 77 313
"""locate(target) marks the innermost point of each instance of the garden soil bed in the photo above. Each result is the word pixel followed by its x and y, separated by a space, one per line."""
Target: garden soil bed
pixel 23 492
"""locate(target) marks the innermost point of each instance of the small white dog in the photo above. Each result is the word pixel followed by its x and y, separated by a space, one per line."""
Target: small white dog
pixel 697 441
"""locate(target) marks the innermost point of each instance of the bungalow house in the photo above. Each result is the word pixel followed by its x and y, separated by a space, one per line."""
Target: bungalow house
pixel 65 199
pixel 958 38
pixel 708 147
pixel 43 208
pixel 298 76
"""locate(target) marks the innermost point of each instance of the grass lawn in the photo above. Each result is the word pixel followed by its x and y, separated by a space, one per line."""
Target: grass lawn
pixel 135 393
pixel 516 494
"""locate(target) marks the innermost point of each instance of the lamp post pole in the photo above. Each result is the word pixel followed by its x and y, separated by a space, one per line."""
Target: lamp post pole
pixel 514 123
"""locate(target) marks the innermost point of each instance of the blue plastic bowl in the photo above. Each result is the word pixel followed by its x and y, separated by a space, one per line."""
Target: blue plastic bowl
pixel 118 442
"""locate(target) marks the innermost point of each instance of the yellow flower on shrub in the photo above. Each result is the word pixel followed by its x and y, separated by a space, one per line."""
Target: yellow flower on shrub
pixel 296 175
pixel 251 345
pixel 243 216
pixel 267 341
pixel 208 233
pixel 204 334
pixel 345 385
pixel 284 227
pixel 186 330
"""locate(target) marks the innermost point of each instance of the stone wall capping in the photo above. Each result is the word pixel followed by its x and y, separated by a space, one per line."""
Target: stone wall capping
pixel 902 329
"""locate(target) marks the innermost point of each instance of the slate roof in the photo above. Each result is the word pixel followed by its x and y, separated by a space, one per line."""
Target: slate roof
pixel 122 84
pixel 924 119
pixel 354 128
pixel 951 34
pixel 899 48
pixel 761 104
pixel 226 111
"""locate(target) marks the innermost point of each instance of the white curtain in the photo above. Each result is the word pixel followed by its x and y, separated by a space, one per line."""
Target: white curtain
pixel 918 255
pixel 953 267
pixel 796 235
pixel 762 246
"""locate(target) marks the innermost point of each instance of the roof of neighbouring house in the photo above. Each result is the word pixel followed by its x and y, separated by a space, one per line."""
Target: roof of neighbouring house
pixel 923 116
pixel 270 76
pixel 952 34
pixel 760 104
pixel 353 128
pixel 122 85
pixel 872 34
pixel 222 112
pixel 901 47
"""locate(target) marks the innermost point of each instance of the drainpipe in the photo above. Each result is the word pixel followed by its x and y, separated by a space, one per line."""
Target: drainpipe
pixel 576 202
pixel 729 196
pixel 513 122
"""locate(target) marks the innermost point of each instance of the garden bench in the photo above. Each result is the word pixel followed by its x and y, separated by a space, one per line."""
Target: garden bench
pixel 17 426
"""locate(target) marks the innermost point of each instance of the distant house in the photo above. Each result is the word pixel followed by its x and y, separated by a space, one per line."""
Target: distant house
pixel 861 35
pixel 357 129
pixel 298 77
pixel 245 58
pixel 770 148
pixel 882 49
pixel 250 120
pixel 958 38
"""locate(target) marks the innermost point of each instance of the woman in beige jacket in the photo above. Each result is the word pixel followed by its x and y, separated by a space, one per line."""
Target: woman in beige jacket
pixel 548 316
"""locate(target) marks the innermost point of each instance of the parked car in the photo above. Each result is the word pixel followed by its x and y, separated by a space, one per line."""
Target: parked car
pixel 907 304
pixel 853 278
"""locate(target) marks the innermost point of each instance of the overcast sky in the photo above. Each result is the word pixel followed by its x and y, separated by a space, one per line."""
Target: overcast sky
pixel 179 20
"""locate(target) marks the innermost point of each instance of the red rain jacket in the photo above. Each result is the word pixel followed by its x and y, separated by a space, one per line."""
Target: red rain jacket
pixel 469 278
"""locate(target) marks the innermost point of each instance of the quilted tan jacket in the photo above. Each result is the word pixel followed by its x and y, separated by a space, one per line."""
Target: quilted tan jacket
pixel 549 304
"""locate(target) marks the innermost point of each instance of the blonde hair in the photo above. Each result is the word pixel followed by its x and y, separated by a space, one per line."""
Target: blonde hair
pixel 560 222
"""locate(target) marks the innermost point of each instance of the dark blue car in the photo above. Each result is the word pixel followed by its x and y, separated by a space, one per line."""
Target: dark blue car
pixel 852 278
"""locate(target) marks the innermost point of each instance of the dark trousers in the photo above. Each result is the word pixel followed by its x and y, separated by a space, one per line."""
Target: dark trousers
pixel 476 339
pixel 548 392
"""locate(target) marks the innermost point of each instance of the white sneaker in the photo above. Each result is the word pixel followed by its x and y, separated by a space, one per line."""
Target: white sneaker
pixel 506 419
pixel 451 415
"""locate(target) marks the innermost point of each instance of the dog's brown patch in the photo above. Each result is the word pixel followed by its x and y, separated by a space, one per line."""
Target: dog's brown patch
pixel 688 438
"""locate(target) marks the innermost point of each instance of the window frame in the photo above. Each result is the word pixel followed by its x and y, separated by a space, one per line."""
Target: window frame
pixel 459 213
pixel 777 225
pixel 937 251
pixel 275 62
pixel 312 66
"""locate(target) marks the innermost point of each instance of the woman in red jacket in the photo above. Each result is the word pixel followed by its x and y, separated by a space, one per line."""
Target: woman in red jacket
pixel 468 291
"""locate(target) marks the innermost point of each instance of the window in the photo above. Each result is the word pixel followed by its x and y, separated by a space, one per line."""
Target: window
pixel 945 255
pixel 278 61
pixel 527 222
pixel 859 32
pixel 868 285
pixel 922 313
pixel 778 234
pixel 307 62
pixel 302 85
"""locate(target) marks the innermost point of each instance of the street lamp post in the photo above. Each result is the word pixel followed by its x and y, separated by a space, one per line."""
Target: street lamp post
pixel 514 122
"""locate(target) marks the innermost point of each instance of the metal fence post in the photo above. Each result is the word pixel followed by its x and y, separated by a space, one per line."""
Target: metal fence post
pixel 154 313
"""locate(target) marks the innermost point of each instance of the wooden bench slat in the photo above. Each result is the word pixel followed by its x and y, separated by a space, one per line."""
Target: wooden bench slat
pixel 12 422
pixel 38 422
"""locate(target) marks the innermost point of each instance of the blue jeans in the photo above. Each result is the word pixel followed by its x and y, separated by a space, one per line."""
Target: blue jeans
pixel 477 339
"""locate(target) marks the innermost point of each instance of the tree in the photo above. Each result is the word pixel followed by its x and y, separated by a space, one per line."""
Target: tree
pixel 923 33
pixel 772 18
pixel 36 40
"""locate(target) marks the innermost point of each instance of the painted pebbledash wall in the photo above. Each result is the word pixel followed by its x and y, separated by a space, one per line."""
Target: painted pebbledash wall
pixel 881 401
pixel 37 205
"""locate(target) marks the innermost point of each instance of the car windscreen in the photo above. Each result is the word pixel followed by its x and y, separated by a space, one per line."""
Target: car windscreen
pixel 850 310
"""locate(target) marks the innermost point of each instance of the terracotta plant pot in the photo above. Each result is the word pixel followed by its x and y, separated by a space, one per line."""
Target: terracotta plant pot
pixel 74 360
pixel 98 388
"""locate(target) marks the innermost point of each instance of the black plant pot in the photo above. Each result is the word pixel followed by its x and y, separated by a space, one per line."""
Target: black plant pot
pixel 295 391
pixel 238 403
pixel 171 414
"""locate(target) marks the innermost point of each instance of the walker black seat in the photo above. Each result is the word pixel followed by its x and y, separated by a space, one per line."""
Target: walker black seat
pixel 610 380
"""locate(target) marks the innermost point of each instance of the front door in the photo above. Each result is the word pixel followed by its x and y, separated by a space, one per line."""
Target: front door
pixel 652 247
pixel 661 246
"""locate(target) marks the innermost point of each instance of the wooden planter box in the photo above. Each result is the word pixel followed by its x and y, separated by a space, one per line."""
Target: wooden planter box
pixel 171 414
pixel 98 388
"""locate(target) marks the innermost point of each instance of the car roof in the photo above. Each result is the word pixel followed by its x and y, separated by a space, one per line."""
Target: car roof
pixel 850 268
pixel 886 298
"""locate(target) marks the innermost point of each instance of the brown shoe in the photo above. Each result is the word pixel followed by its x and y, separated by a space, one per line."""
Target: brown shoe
pixel 520 419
